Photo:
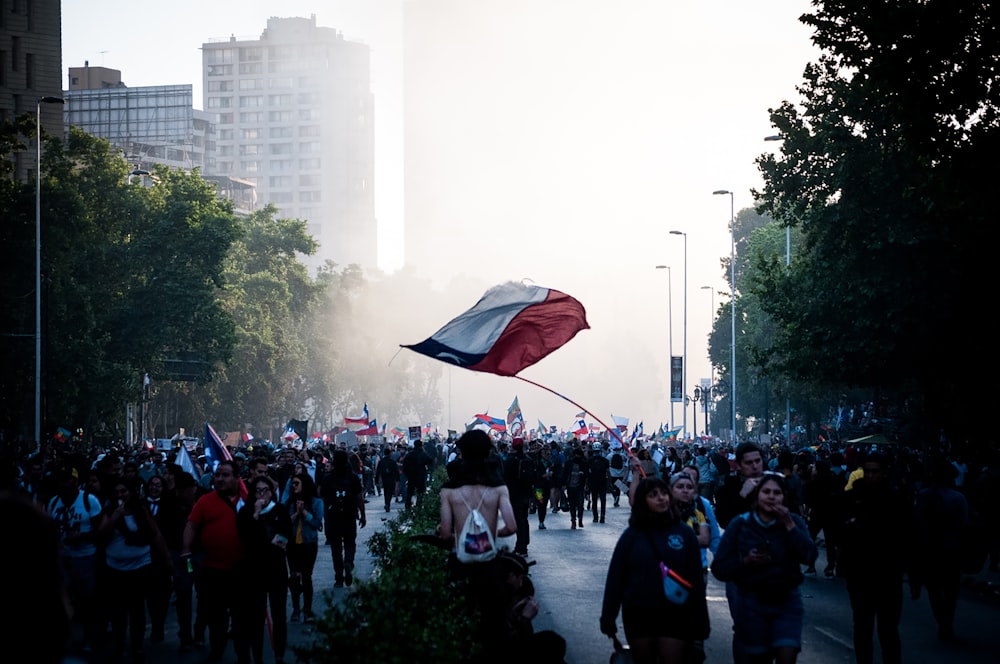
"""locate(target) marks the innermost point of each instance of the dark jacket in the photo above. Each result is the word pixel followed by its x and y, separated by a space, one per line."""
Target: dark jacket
pixel 519 474
pixel 576 462
pixel 257 536
pixel 875 532
pixel 790 549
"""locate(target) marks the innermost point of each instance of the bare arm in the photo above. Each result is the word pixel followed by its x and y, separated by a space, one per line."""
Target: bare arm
pixel 446 529
pixel 507 512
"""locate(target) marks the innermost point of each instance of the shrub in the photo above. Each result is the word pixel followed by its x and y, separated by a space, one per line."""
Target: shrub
pixel 408 612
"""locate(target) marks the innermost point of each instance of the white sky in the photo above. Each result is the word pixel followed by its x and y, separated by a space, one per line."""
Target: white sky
pixel 654 103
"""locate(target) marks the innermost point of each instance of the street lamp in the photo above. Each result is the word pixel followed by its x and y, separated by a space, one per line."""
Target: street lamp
pixel 732 303
pixel 788 262
pixel 38 260
pixel 711 321
pixel 670 336
pixel 684 352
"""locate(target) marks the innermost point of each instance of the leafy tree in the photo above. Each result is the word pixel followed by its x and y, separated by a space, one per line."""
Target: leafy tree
pixel 882 169
pixel 130 276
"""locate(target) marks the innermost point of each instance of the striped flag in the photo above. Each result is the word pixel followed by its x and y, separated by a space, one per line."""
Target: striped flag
pixel 215 451
pixel 184 461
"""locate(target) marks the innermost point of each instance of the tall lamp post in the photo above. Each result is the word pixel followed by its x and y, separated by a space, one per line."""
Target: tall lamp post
pixel 670 336
pixel 711 321
pixel 788 262
pixel 732 303
pixel 684 352
pixel 38 260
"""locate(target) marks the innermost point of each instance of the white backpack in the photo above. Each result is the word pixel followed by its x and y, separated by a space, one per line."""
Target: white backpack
pixel 476 543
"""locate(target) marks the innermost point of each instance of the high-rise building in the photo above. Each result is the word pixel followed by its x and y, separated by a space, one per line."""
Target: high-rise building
pixel 30 67
pixel 154 124
pixel 295 117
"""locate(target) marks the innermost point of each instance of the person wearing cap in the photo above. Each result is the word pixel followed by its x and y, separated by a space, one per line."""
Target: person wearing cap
pixel 519 472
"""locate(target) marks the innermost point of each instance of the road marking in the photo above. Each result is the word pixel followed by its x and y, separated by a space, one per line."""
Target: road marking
pixel 710 598
pixel 836 637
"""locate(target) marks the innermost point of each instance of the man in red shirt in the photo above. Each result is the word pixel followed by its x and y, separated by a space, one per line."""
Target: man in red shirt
pixel 212 525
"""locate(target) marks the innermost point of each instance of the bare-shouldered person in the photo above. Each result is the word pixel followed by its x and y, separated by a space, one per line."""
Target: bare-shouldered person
pixel 472 477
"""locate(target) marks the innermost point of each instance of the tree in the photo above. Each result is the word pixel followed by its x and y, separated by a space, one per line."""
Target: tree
pixel 130 278
pixel 882 169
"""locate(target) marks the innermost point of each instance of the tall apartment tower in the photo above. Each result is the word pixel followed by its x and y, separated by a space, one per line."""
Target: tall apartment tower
pixel 295 117
pixel 30 67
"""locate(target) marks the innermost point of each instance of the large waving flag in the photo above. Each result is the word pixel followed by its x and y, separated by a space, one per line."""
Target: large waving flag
pixel 620 422
pixel 184 461
pixel 513 326
pixel 672 434
pixel 515 419
pixel 580 428
pixel 358 420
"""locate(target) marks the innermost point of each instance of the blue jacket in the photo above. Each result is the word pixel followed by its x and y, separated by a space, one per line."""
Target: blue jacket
pixel 790 549
pixel 312 523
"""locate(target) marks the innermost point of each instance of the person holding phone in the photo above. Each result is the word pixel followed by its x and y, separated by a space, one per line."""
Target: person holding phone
pixel 655 579
pixel 264 528
pixel 761 553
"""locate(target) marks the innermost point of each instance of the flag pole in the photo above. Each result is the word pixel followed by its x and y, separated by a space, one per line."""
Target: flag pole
pixel 563 396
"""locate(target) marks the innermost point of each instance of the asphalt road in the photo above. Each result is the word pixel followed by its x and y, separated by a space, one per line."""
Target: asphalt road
pixel 569 571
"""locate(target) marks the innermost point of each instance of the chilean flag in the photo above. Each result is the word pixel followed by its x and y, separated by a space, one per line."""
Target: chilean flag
pixel 370 430
pixel 513 326
pixel 358 420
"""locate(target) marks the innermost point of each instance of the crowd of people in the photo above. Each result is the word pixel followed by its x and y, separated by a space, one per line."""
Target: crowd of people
pixel 138 533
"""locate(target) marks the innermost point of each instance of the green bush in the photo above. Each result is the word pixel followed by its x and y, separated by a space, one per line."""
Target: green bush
pixel 409 612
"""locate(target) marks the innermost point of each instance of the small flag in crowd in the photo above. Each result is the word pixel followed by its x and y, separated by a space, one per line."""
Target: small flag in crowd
pixel 184 461
pixel 62 435
pixel 513 326
pixel 370 430
pixel 364 419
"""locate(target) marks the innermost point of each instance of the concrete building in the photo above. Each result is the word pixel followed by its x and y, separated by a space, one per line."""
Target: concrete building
pixel 295 117
pixel 30 67
pixel 150 125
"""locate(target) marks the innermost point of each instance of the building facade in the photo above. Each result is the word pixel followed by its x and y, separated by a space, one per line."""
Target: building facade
pixel 30 67
pixel 150 125
pixel 295 117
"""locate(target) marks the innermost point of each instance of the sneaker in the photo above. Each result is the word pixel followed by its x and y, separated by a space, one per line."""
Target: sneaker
pixel 581 523
pixel 602 519
pixel 810 571
pixel 595 520
pixel 348 577
pixel 296 616
pixel 573 526
pixel 541 526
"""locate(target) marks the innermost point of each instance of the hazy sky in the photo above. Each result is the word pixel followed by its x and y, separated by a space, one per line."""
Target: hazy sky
pixel 591 130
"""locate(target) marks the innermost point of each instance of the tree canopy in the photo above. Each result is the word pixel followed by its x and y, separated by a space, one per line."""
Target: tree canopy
pixel 883 168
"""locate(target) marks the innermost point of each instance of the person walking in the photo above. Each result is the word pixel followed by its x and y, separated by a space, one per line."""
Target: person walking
pixel 416 465
pixel 876 528
pixel 344 500
pixel 761 552
pixel 305 508
pixel 387 472
pixel 132 536
pixel 654 579
pixel 598 473
pixel 264 529
pixel 519 475
pixel 575 481
pixel 940 515
pixel 221 595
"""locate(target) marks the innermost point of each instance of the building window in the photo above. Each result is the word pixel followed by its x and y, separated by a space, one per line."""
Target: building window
pixel 309 130
pixel 251 84
pixel 309 180
pixel 225 118
pixel 220 86
pixel 251 101
pixel 279 181
pixel 279 116
pixel 311 164
pixel 310 196
pixel 251 117
pixel 252 133
pixel 250 166
pixel 280 132
pixel 15 52
pixel 279 165
pixel 218 56
pixel 281 148
pixel 281 82
pixel 252 148
pixel 225 134
pixel 220 102
pixel 309 146
pixel 279 100
pixel 251 54
pixel 310 98
pixel 309 114
pixel 281 197
pixel 220 70
pixel 252 68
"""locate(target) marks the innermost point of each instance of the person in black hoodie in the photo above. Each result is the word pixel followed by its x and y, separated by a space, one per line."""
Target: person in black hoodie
pixel 875 528
pixel 519 476
pixel 264 528
pixel 575 481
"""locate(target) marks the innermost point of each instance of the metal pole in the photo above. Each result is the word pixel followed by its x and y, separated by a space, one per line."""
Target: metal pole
pixel 670 336
pixel 732 304
pixel 38 272
pixel 684 352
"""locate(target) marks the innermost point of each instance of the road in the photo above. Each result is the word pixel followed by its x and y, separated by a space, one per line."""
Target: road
pixel 569 571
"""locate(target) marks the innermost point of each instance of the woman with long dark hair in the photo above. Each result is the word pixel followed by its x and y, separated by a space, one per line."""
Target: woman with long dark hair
pixel 655 579
pixel 762 551
pixel 305 508
pixel 133 540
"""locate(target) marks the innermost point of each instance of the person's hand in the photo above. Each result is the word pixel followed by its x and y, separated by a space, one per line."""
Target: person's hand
pixel 784 515
pixel 364 522
pixel 749 485
pixel 300 507
pixel 527 608
pixel 608 627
